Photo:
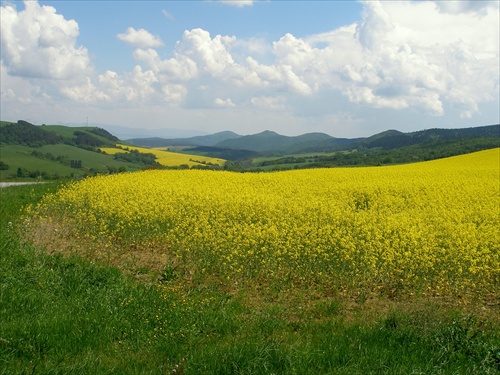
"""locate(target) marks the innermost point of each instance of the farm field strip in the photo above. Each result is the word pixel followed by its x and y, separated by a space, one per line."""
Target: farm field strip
pixel 428 228
pixel 167 158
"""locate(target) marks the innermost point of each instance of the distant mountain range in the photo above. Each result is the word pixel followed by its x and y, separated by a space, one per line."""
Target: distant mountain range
pixel 51 148
pixel 123 132
pixel 271 143
pixel 202 140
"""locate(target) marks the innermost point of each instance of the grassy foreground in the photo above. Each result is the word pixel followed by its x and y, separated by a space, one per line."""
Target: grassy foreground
pixel 69 315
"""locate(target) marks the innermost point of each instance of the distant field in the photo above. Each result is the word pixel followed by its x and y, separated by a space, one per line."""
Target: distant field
pixel 307 155
pixel 170 159
pixel 296 160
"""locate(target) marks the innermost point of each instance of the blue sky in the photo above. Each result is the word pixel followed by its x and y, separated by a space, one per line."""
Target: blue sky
pixel 169 19
pixel 174 68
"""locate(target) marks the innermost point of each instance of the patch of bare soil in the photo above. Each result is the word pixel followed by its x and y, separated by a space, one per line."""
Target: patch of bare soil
pixel 55 237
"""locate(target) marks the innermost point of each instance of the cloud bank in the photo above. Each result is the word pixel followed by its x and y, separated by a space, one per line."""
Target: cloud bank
pixel 389 59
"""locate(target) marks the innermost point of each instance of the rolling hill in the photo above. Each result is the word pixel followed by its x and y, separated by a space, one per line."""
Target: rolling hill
pixel 264 142
pixel 394 139
pixel 271 142
pixel 49 151
pixel 203 140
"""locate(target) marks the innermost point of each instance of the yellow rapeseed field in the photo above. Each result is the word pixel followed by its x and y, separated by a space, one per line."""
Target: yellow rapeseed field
pixel 168 158
pixel 429 228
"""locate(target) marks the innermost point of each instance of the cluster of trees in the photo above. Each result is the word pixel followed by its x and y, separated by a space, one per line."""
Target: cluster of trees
pixel 113 170
pixel 209 166
pixel 104 133
pixel 25 173
pixel 85 139
pixel 44 175
pixel 135 156
pixel 49 156
pixel 27 134
pixel 203 162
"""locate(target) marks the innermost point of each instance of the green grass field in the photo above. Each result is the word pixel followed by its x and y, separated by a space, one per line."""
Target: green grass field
pixel 18 156
pixel 70 315
pixel 65 131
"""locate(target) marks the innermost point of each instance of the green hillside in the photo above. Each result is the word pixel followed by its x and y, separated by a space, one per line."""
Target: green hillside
pixel 394 139
pixel 68 132
pixel 28 151
pixel 54 161
pixel 28 134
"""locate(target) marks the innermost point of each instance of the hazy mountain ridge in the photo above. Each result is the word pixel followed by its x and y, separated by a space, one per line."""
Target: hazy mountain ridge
pixel 200 140
pixel 265 142
pixel 271 143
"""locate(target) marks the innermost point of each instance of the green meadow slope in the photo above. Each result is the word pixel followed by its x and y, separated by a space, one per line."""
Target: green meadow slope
pixel 28 151
pixel 19 156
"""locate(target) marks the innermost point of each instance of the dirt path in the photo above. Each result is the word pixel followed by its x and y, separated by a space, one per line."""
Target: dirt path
pixel 7 184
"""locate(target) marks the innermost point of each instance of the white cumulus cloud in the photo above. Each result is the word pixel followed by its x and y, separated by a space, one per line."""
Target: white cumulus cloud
pixel 225 103
pixel 140 38
pixel 391 59
pixel 269 102
pixel 39 43
pixel 238 3
pixel 210 55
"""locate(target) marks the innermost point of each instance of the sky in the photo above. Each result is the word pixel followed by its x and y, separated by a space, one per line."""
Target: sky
pixel 179 68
